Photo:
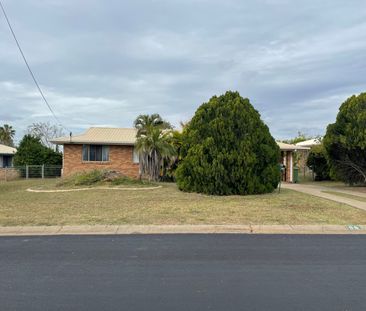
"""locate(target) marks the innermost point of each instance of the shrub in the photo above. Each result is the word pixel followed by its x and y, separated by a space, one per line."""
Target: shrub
pixel 83 179
pixel 227 149
pixel 130 181
pixel 32 152
pixel 345 141
pixel 98 177
pixel 317 162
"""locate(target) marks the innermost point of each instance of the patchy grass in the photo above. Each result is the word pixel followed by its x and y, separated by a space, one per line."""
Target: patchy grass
pixel 96 178
pixel 166 205
pixel 347 195
pixel 337 185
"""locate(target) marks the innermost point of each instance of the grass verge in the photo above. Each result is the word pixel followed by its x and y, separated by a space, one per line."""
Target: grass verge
pixel 347 195
pixel 166 205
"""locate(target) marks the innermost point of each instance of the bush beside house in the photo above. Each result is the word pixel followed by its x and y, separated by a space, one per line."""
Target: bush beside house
pixel 317 162
pixel 345 141
pixel 227 149
pixel 32 152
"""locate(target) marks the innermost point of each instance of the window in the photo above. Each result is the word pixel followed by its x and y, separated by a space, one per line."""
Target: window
pixel 135 156
pixel 98 153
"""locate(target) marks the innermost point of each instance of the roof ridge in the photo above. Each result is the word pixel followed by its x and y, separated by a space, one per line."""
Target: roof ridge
pixel 111 128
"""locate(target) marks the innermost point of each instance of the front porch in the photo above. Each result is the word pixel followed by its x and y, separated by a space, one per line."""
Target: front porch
pixel 287 159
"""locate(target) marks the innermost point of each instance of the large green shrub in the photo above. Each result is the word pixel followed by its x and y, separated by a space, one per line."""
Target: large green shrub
pixel 227 149
pixel 32 152
pixel 317 162
pixel 345 141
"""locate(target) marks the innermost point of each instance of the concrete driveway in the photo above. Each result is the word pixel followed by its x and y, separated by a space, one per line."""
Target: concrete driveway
pixel 320 191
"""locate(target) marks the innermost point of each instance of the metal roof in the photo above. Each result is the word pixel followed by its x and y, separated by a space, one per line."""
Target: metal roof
pixel 289 147
pixel 309 143
pixel 124 136
pixel 7 150
pixel 101 135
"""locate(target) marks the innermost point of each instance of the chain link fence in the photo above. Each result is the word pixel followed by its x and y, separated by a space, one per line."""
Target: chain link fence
pixel 30 171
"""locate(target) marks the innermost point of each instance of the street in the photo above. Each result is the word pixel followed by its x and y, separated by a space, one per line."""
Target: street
pixel 183 272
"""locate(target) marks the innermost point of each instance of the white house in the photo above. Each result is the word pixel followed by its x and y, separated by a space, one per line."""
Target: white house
pixel 6 156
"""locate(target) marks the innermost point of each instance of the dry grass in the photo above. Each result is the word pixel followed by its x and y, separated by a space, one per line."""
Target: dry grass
pixel 347 195
pixel 337 185
pixel 166 205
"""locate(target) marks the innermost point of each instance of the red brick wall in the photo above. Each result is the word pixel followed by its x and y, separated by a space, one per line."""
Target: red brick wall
pixel 286 176
pixel 120 159
pixel 8 173
pixel 288 167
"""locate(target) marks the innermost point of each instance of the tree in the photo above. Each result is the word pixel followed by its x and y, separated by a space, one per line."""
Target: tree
pixel 7 134
pixel 317 162
pixel 144 123
pixel 32 152
pixel 154 145
pixel 298 139
pixel 171 164
pixel 227 149
pixel 345 141
pixel 45 132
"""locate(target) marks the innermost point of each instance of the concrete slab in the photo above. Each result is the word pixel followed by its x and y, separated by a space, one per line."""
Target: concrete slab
pixel 158 229
pixel 271 229
pixel 9 230
pixel 319 192
pixel 308 228
pixel 181 229
pixel 95 229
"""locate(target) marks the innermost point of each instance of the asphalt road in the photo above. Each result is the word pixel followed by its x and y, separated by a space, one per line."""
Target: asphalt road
pixel 183 272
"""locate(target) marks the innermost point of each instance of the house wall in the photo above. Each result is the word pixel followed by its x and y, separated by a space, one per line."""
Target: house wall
pixel 289 166
pixel 9 174
pixel 120 159
pixel 287 160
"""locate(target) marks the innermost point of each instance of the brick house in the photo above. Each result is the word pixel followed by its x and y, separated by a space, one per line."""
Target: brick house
pixel 288 159
pixel 100 148
pixel 113 149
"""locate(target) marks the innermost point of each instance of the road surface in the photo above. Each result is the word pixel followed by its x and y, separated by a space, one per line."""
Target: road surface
pixel 183 272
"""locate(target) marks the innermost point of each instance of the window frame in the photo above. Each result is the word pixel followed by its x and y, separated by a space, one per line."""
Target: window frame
pixel 104 150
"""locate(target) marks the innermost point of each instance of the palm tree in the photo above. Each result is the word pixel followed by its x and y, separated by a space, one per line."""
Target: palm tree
pixel 7 134
pixel 155 149
pixel 153 144
pixel 144 123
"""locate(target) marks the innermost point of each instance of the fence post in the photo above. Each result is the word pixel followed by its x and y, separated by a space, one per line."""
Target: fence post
pixel 42 171
pixel 26 172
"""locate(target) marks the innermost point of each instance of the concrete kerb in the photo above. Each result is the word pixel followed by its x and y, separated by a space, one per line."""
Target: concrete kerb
pixel 180 229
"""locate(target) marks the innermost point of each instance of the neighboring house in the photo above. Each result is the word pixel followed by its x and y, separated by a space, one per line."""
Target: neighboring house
pixel 288 159
pixel 6 156
pixel 309 143
pixel 100 148
pixel 304 154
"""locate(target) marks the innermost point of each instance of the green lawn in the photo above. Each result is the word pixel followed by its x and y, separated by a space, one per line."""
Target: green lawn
pixel 166 205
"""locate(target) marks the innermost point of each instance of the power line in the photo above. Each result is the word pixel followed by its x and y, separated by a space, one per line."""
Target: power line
pixel 29 69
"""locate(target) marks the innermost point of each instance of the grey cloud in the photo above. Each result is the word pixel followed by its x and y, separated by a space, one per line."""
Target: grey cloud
pixel 103 63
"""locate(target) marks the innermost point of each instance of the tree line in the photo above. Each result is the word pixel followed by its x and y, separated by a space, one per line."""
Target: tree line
pixel 227 149
pixel 35 147
pixel 341 153
pixel 224 149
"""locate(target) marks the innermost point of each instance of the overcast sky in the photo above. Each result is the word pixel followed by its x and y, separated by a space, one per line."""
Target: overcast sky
pixel 102 63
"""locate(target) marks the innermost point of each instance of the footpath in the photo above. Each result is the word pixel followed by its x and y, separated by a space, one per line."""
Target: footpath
pixel 321 192
pixel 180 229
